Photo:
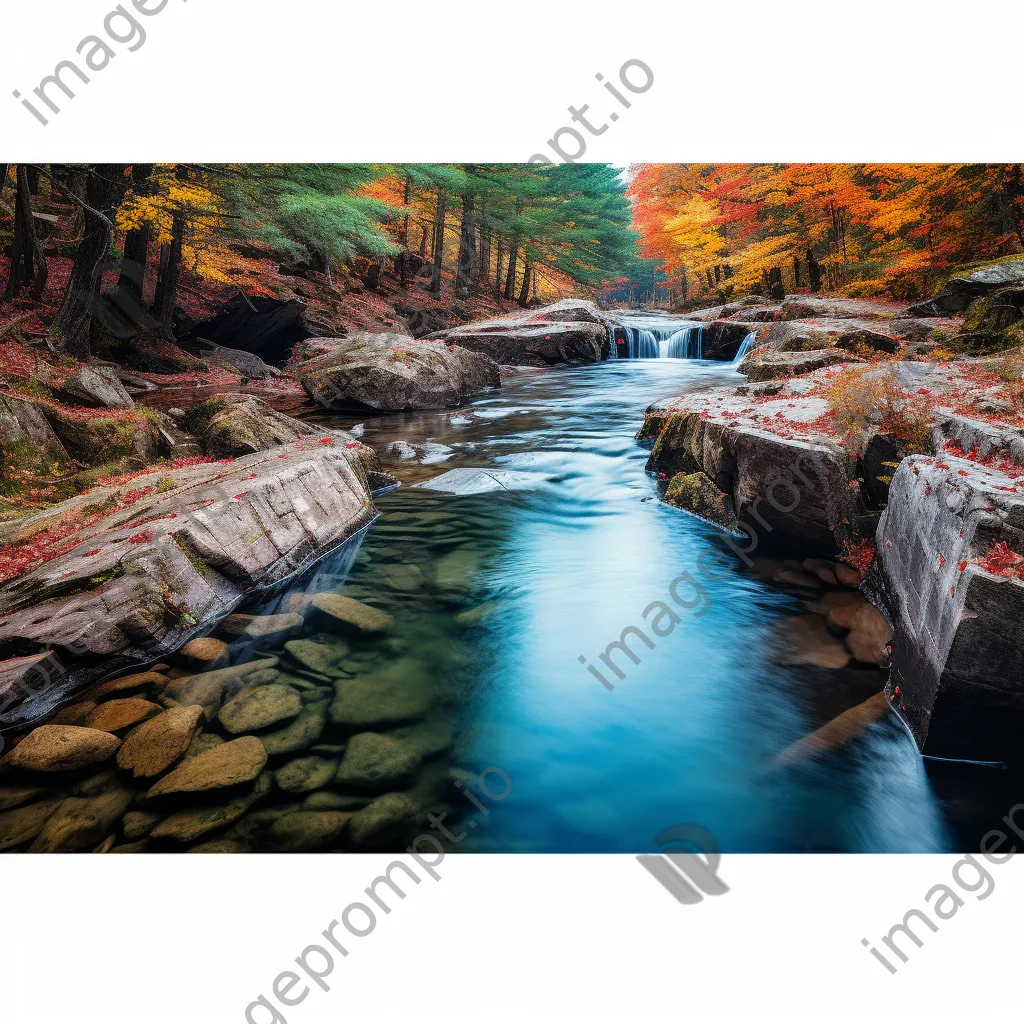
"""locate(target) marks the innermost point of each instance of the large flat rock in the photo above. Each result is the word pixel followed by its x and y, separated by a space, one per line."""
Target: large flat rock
pixel 138 569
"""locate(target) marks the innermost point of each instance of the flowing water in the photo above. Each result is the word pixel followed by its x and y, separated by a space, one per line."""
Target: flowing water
pixel 497 595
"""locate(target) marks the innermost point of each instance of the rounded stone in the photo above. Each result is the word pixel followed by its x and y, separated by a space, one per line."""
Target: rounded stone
pixel 227 764
pixel 121 713
pixel 62 748
pixel 155 745
pixel 259 708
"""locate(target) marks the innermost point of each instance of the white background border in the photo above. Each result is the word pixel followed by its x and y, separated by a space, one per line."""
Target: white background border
pixel 120 940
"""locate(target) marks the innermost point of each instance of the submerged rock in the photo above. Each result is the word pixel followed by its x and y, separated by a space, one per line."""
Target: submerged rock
pixel 375 762
pixel 307 831
pixel 259 708
pixel 118 714
pixel 155 745
pixel 228 764
pixel 396 695
pixel 804 640
pixel 299 734
pixel 191 823
pixel 79 823
pixel 61 748
pixel 306 773
pixel 24 824
pixel 388 820
pixel 346 616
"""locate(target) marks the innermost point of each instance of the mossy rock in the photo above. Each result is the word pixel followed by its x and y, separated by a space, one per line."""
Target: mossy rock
pixel 696 493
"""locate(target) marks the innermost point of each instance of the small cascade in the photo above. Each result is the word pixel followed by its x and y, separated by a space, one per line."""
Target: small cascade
pixel 663 341
pixel 747 344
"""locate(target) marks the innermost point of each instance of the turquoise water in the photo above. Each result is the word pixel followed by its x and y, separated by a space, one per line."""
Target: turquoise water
pixel 500 593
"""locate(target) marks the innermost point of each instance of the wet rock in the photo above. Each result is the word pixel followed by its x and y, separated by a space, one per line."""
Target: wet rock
pixel 136 824
pixel 259 708
pixel 348 617
pixel 24 824
pixel 375 762
pixel 16 794
pixel 223 533
pixel 572 331
pixel 482 481
pixel 247 363
pixel 430 739
pixel 205 653
pixel 696 493
pixel 847 575
pixel 219 846
pixel 189 824
pixel 299 734
pixel 232 425
pixel 138 682
pixel 397 695
pixel 392 372
pixel 326 800
pixel 155 745
pixel 208 689
pixel 270 629
pixel 79 823
pixel 306 773
pixel 836 733
pixel 868 631
pixel 824 570
pixel 139 847
pixel 798 578
pixel 804 640
pixel 118 714
pixel 389 820
pixel 307 831
pixel 201 743
pixel 60 748
pixel 228 764
pixel 74 714
pixel 322 659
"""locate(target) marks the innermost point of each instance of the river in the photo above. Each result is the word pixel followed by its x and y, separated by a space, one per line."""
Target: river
pixel 498 594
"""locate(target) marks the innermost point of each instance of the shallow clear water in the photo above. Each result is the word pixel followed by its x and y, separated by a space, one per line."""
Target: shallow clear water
pixel 498 594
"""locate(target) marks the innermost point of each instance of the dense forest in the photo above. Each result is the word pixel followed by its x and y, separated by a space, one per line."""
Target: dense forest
pixel 165 232
pixel 865 229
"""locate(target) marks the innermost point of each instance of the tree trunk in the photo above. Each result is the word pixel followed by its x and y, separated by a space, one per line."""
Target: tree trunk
pixel 403 259
pixel 170 265
pixel 33 181
pixel 466 272
pixel 813 272
pixel 524 291
pixel 776 289
pixel 510 275
pixel 105 187
pixel 438 250
pixel 497 269
pixel 136 241
pixel 28 264
pixel 796 272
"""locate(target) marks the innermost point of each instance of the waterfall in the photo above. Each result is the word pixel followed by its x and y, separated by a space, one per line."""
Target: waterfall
pixel 663 341
pixel 747 343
